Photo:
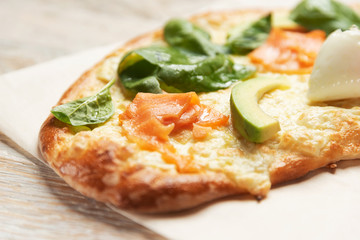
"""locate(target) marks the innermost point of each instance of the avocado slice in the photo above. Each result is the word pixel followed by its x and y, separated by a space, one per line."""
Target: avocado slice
pixel 248 119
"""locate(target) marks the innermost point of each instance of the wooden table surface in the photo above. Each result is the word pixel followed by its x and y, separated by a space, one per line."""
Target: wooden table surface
pixel 34 202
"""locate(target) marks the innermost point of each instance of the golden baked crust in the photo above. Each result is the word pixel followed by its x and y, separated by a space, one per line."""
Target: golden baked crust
pixel 139 188
pixel 105 165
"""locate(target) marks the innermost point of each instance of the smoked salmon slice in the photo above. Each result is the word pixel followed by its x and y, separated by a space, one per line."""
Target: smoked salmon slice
pixel 288 52
pixel 151 118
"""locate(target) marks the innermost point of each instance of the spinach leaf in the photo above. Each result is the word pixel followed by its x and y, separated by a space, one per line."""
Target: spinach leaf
pixel 154 68
pixel 137 70
pixel 210 74
pixel 242 41
pixel 326 15
pixel 89 110
pixel 184 35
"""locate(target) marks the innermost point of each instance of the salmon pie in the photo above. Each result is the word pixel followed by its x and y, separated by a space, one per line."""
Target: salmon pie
pixel 220 104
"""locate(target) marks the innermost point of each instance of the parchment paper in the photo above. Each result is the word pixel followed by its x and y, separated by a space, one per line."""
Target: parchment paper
pixel 323 205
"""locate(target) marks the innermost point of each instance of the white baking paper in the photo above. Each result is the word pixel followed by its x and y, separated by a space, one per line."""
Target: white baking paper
pixel 323 205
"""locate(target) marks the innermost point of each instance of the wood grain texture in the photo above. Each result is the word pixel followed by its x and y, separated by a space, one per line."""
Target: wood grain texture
pixel 33 31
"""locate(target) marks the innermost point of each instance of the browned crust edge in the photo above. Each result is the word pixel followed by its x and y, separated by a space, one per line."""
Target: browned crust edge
pixel 144 189
pixel 140 189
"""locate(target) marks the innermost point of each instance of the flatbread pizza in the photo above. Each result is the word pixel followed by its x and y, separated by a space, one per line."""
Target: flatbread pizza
pixel 225 103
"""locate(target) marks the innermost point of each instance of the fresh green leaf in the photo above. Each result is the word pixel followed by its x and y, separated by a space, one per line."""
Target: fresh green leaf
pixel 137 70
pixel 156 68
pixel 242 41
pixel 326 15
pixel 139 77
pixel 210 74
pixel 182 34
pixel 89 110
pixel 191 62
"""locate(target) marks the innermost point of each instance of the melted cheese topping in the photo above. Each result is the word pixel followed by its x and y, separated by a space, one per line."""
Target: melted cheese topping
pixel 306 130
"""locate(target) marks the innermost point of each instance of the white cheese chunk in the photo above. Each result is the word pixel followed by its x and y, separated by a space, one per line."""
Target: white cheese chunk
pixel 336 73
